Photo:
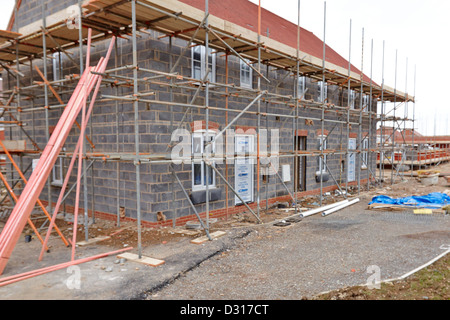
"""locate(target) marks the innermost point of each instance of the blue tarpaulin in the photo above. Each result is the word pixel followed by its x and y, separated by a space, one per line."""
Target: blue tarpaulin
pixel 431 201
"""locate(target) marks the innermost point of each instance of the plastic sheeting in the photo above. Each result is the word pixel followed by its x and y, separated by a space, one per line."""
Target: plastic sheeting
pixel 431 201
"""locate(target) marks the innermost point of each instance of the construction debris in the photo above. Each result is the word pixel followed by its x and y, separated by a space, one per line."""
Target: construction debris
pixel 321 209
pixel 434 200
pixel 293 219
pixel 428 177
pixel 339 207
pixel 282 223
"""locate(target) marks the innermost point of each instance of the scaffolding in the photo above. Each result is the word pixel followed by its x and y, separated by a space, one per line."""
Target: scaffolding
pixel 131 19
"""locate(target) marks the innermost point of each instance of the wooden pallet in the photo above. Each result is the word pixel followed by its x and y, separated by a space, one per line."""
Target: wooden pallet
pixel 92 241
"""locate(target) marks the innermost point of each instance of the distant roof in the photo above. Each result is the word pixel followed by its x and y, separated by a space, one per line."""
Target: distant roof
pixel 406 136
pixel 428 139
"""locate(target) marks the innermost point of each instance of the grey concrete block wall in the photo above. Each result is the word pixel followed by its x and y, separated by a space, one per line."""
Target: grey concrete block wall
pixel 31 10
pixel 112 130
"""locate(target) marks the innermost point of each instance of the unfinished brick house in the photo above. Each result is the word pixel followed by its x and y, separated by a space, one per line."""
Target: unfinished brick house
pixel 202 66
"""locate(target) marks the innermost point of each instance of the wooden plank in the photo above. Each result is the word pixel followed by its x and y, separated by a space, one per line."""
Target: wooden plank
pixel 423 211
pixel 8 35
pixel 387 207
pixel 187 232
pixel 394 207
pixel 144 260
pixel 93 240
pixel 203 239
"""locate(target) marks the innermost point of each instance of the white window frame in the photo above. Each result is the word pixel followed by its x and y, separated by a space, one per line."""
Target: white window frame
pixel 323 146
pixel 57 173
pixel 246 74
pixel 196 63
pixel 366 102
pixel 57 58
pixel 321 84
pixel 197 159
pixel 365 154
pixel 301 86
pixel 352 98
pixel 2 127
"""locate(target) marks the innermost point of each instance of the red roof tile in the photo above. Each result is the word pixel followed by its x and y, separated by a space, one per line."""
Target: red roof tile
pixel 245 14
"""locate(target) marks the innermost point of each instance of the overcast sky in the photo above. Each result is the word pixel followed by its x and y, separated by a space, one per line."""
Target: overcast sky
pixel 416 29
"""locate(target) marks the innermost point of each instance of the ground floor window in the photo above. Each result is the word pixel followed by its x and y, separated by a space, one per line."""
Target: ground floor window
pixel 365 153
pixel 200 170
pixel 323 147
pixel 57 173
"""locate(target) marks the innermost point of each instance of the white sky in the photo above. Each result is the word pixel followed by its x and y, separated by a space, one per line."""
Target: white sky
pixel 416 29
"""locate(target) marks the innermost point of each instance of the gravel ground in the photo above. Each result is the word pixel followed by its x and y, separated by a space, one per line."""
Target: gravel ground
pixel 251 262
pixel 315 255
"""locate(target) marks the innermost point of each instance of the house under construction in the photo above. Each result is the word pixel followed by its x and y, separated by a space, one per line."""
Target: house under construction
pixel 263 110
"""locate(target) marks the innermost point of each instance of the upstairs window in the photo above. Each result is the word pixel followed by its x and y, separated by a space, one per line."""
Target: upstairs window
pixel 351 99
pixel 301 87
pixel 322 88
pixel 366 102
pixel 246 74
pixel 56 66
pixel 199 57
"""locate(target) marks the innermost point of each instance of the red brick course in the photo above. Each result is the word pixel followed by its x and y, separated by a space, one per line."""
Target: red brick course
pixel 218 213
